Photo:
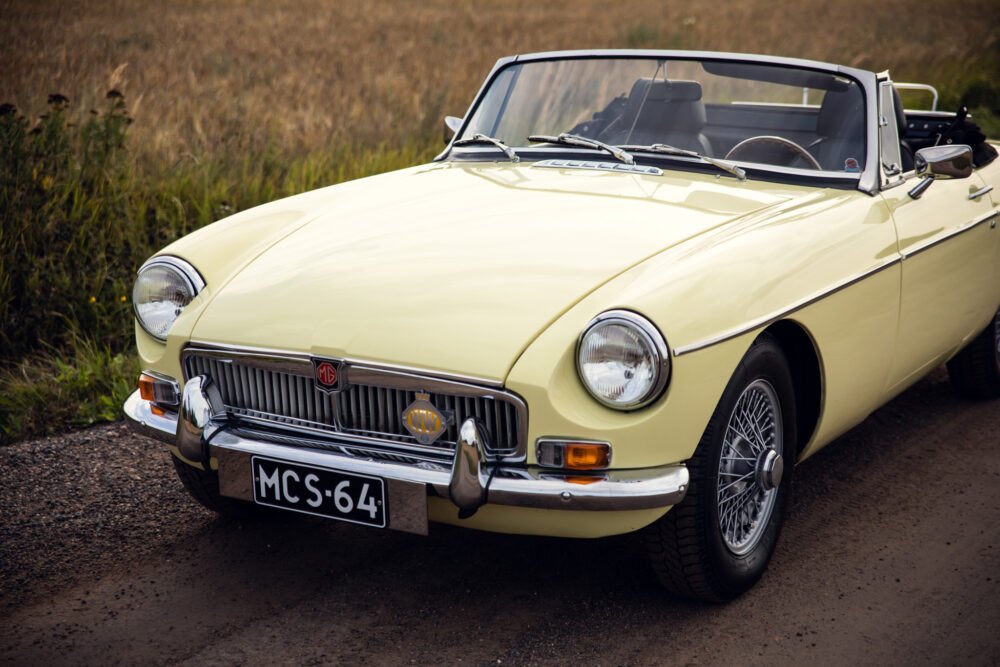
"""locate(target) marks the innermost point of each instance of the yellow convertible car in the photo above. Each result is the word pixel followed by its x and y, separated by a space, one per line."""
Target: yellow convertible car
pixel 635 289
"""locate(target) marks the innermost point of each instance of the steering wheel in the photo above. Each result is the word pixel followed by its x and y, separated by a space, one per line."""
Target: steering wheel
pixel 772 150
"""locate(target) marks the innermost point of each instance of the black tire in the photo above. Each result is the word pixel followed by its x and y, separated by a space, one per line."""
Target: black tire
pixel 203 486
pixel 975 371
pixel 687 548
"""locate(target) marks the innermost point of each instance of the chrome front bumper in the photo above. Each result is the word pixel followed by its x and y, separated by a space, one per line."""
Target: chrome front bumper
pixel 467 483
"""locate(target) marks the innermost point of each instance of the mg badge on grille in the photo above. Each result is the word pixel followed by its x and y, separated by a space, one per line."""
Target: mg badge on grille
pixel 328 375
pixel 424 421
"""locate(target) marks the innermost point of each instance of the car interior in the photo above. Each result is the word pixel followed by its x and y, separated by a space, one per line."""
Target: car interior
pixel 828 136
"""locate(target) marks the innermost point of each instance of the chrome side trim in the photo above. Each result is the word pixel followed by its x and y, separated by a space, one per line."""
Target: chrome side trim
pixel 764 321
pixel 952 234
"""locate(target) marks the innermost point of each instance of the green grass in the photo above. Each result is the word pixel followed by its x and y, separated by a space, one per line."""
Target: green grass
pixel 79 215
pixel 80 386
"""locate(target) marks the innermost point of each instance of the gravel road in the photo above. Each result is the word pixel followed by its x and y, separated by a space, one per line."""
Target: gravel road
pixel 891 557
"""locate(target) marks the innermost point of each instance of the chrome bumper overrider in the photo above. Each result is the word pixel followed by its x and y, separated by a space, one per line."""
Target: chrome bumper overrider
pixel 467 483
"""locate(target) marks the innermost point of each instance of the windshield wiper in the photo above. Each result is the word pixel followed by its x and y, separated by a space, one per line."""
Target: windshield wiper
pixel 567 139
pixel 724 165
pixel 479 138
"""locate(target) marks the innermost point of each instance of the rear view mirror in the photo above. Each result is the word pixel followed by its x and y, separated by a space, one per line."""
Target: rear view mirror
pixel 935 162
pixel 452 124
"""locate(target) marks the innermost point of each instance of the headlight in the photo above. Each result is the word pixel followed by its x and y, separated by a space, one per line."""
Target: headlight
pixel 623 360
pixel 164 286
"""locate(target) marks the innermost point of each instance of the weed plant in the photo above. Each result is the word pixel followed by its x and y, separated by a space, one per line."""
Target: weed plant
pixel 79 216
pixel 67 244
pixel 84 383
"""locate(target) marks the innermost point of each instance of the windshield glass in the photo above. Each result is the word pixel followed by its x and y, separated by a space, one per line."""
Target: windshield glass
pixel 746 112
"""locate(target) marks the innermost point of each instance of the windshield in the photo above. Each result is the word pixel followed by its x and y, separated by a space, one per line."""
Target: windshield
pixel 747 112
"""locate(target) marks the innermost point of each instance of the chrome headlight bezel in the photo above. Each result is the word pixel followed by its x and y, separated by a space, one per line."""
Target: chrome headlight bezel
pixel 653 340
pixel 188 277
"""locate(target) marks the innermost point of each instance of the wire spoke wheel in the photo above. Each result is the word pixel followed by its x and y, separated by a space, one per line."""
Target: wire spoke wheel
pixel 751 447
pixel 716 543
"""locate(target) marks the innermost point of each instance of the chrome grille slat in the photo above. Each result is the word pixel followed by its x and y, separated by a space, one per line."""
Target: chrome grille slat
pixel 240 384
pixel 380 410
pixel 279 392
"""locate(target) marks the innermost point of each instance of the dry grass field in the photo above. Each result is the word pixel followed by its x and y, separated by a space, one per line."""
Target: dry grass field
pixel 222 77
pixel 230 103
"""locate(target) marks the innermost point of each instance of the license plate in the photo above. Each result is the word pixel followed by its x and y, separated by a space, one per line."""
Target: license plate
pixel 319 491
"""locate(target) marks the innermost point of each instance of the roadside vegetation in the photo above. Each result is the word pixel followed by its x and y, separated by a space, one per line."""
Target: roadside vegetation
pixel 128 125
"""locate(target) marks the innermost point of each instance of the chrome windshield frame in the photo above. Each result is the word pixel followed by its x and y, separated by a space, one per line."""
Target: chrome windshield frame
pixel 868 180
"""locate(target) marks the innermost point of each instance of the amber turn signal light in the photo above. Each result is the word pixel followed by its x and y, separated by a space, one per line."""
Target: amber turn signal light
pixel 161 392
pixel 146 387
pixel 571 455
pixel 587 456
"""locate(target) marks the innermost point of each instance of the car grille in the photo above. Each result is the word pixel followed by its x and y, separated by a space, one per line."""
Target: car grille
pixel 279 395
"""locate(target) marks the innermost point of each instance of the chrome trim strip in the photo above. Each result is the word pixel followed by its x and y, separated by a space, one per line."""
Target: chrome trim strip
pixel 277 353
pixel 980 192
pixel 599 166
pixel 680 55
pixel 952 234
pixel 798 305
pixel 646 488
pixel 764 321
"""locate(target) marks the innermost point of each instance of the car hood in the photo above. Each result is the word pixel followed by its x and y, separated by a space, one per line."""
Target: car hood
pixel 456 268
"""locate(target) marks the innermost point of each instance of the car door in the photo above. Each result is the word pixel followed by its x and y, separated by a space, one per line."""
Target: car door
pixel 948 246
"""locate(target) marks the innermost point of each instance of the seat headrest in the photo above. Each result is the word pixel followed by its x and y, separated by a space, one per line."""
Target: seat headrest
pixel 841 113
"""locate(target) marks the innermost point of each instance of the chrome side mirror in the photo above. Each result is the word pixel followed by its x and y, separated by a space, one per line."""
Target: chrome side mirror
pixel 452 124
pixel 953 161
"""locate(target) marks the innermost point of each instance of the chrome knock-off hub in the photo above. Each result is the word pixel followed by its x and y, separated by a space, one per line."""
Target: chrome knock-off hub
pixel 769 468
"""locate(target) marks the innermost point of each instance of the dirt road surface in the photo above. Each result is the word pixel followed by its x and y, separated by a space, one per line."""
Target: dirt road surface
pixel 891 557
